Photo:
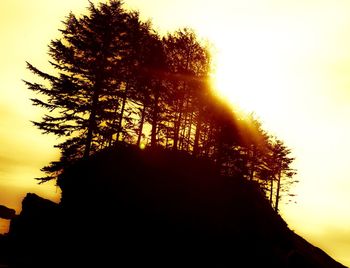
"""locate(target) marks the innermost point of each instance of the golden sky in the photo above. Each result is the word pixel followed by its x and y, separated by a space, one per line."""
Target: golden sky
pixel 289 61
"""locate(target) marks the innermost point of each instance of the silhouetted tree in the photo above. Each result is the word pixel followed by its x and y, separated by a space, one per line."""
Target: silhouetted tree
pixel 83 94
pixel 188 63
pixel 116 80
pixel 276 174
pixel 282 168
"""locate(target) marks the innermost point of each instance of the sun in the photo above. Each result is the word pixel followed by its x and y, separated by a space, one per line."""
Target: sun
pixel 251 72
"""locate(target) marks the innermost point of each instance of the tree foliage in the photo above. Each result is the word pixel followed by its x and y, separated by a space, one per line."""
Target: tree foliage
pixel 117 80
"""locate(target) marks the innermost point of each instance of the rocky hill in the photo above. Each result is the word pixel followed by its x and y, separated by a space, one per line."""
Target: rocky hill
pixel 126 207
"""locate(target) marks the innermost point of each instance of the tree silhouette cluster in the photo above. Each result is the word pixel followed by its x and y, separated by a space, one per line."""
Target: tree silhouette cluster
pixel 117 80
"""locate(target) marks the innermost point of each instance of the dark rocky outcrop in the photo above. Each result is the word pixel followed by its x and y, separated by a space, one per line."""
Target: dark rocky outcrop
pixel 154 208
pixel 7 213
pixel 4 250
pixel 34 232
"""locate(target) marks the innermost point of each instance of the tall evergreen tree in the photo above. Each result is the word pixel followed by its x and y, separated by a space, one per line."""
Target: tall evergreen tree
pixel 188 61
pixel 282 169
pixel 117 80
pixel 82 94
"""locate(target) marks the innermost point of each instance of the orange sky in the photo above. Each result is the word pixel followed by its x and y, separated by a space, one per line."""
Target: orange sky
pixel 287 60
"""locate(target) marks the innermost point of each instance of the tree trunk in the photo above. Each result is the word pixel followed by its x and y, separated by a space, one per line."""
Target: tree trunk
pixel 155 119
pixel 182 134
pixel 110 141
pixel 271 189
pixel 197 135
pixel 178 123
pixel 189 133
pixel 122 112
pixel 278 190
pixel 143 114
pixel 207 140
pixel 253 163
pixel 92 124
pixel 177 129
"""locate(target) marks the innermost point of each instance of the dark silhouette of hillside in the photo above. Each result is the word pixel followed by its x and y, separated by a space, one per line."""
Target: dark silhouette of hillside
pixel 195 197
pixel 117 79
pixel 7 213
pixel 126 207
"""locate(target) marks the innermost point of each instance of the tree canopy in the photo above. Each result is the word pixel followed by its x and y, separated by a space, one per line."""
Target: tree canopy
pixel 118 80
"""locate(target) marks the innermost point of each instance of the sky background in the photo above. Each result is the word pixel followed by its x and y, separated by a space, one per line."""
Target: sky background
pixel 289 61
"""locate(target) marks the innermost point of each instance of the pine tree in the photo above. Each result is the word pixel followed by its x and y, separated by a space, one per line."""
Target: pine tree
pixel 282 169
pixel 117 80
pixel 83 93
pixel 188 62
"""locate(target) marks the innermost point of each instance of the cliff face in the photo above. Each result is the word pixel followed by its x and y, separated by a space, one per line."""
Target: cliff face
pixel 130 208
